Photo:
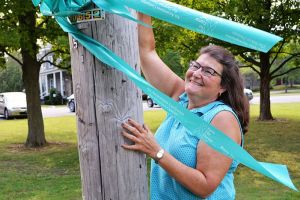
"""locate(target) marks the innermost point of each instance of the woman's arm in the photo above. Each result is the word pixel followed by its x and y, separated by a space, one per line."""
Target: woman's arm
pixel 154 69
pixel 211 165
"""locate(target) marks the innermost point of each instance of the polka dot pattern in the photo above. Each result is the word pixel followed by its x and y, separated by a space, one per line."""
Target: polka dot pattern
pixel 176 140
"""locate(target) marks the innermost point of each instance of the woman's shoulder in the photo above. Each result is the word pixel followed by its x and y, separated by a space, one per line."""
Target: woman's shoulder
pixel 225 119
pixel 217 108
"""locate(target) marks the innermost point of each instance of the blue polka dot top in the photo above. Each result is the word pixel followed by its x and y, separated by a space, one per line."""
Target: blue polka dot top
pixel 176 140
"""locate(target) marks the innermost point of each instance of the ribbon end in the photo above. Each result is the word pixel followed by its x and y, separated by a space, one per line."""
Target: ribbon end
pixel 279 173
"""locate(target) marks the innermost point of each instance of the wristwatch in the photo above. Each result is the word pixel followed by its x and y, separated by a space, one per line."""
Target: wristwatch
pixel 159 155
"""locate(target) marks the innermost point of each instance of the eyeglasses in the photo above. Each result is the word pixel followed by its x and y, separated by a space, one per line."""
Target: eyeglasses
pixel 207 71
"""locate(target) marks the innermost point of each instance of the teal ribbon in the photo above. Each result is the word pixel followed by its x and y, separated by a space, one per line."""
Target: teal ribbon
pixel 213 26
pixel 201 129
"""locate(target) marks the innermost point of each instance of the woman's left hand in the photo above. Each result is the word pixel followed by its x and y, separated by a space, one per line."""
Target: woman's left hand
pixel 142 137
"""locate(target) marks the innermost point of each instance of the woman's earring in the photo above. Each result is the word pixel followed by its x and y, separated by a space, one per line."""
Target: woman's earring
pixel 220 93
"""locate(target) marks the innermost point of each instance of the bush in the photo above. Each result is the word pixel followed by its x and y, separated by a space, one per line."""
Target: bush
pixel 54 98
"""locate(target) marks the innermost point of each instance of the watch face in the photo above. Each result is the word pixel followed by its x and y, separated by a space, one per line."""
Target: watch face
pixel 159 154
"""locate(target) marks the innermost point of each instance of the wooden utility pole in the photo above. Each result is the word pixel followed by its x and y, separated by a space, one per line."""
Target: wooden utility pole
pixel 105 98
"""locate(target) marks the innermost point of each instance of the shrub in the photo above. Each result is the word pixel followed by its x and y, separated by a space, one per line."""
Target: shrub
pixel 54 98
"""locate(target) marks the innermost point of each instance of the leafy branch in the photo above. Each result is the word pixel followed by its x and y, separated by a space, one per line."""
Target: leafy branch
pixel 282 64
pixel 10 55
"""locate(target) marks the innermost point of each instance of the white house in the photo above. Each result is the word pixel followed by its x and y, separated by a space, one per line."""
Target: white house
pixel 53 77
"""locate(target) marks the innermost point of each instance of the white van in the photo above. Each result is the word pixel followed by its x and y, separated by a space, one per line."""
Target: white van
pixel 13 104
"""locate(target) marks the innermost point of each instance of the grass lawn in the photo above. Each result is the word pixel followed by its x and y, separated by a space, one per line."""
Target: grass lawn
pixel 47 173
pixel 283 87
pixel 275 142
pixel 283 93
pixel 53 172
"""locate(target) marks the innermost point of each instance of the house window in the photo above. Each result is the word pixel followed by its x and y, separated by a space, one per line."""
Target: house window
pixel 51 83
pixel 43 85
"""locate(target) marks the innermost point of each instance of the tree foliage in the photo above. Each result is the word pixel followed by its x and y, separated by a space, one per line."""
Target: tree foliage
pixel 277 17
pixel 11 77
pixel 173 59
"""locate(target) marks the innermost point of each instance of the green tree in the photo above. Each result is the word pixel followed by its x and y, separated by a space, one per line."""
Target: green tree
pixel 280 18
pixel 173 59
pixel 277 17
pixel 22 29
pixel 11 77
pixel 292 75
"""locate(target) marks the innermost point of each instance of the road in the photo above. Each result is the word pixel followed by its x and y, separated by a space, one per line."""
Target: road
pixel 56 111
pixel 279 99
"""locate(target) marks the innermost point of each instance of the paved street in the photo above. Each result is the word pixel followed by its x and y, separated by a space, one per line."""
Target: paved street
pixel 56 111
pixel 279 99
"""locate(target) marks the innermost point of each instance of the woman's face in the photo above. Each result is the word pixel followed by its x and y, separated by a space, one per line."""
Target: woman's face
pixel 201 85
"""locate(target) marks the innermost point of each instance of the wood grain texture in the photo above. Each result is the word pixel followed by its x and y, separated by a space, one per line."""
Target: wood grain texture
pixel 105 98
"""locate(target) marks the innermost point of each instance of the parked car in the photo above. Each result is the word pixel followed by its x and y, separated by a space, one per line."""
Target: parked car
pixel 144 96
pixel 150 102
pixel 71 103
pixel 247 92
pixel 13 104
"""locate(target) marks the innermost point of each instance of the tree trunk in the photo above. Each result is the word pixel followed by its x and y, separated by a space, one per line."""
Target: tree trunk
pixel 105 98
pixel 31 68
pixel 265 79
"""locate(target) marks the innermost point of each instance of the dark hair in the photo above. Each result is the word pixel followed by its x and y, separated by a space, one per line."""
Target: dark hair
pixel 232 81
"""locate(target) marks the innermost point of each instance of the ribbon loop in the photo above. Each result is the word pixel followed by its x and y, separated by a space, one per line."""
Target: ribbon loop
pixel 162 9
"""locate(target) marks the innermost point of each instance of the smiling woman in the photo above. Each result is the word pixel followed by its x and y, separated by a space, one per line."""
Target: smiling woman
pixel 183 166
pixel 201 86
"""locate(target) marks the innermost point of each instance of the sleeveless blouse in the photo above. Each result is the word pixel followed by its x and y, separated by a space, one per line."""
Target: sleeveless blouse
pixel 180 143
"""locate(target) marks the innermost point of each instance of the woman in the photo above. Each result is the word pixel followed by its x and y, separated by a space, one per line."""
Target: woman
pixel 186 168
